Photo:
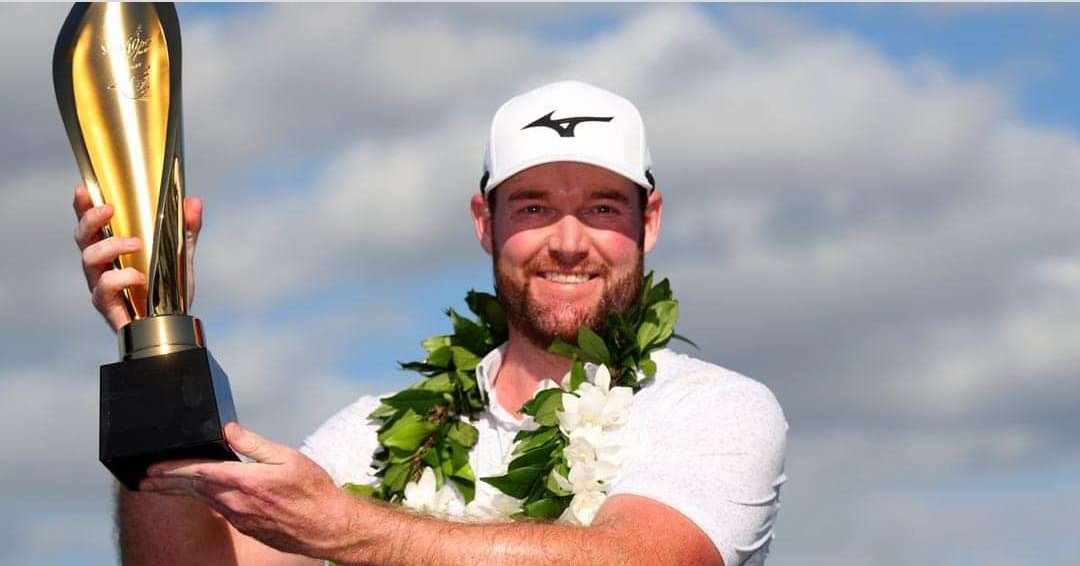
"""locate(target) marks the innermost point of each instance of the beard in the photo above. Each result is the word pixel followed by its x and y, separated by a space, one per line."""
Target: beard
pixel 541 325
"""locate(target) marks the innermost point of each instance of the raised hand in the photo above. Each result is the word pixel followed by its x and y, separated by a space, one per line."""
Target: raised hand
pixel 98 254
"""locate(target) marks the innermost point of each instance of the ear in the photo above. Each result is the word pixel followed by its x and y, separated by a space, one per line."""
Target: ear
pixel 481 216
pixel 654 207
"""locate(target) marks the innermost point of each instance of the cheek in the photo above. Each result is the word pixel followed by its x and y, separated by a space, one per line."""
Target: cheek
pixel 519 247
pixel 616 248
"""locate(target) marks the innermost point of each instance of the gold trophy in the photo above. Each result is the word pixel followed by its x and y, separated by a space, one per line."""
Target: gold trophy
pixel 116 70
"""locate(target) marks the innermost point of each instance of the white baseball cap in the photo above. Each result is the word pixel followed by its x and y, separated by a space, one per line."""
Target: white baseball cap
pixel 567 121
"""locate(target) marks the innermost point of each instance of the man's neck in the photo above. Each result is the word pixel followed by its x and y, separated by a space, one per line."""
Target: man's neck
pixel 524 365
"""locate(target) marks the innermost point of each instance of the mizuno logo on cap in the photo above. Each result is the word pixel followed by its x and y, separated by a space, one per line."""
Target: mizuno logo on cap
pixel 564 126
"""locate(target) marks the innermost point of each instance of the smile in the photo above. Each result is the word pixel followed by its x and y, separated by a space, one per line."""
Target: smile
pixel 571 278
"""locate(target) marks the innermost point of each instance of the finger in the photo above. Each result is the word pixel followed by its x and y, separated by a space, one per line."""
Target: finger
pixel 213 471
pixel 193 208
pixel 111 284
pixel 89 228
pixel 186 487
pixel 81 202
pixel 198 490
pixel 162 468
pixel 102 253
pixel 254 446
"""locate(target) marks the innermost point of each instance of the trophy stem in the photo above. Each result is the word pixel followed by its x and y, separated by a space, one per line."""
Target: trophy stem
pixel 156 335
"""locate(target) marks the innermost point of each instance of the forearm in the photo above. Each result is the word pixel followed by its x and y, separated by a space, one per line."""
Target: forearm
pixel 387 536
pixel 158 529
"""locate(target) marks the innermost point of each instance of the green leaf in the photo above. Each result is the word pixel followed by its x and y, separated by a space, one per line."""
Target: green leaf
pixel 466 487
pixel 463 359
pixel 467 379
pixel 463 433
pixel 543 406
pixel 667 312
pixel 646 287
pixel 553 486
pixel 459 455
pixel 382 413
pixel 648 367
pixel 447 468
pixel 661 292
pixel 538 456
pixel 577 374
pixel 419 400
pixel 423 368
pixel 440 383
pixel 592 346
pixel 407 433
pixel 648 331
pixel 464 471
pixel 358 489
pixel 491 313
pixel 440 357
pixel 560 348
pixel 434 343
pixel 681 338
pixel 516 483
pixel 431 458
pixel 466 332
pixel 396 476
pixel 534 438
pixel 546 508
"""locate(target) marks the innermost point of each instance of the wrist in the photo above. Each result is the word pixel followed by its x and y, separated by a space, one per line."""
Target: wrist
pixel 350 538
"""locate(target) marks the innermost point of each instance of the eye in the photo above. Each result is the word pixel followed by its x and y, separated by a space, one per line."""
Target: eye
pixel 606 210
pixel 531 211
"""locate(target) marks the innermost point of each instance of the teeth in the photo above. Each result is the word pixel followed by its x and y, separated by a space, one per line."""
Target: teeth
pixel 566 277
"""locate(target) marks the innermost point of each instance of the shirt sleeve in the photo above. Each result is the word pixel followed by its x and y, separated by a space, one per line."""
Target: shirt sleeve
pixel 714 451
pixel 345 444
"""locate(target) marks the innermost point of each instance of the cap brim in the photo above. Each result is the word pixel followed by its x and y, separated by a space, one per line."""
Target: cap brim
pixel 492 183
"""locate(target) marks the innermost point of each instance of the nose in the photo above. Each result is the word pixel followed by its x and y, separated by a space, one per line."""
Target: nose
pixel 568 243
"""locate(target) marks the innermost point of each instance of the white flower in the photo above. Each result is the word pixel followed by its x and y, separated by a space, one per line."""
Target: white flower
pixel 595 404
pixel 423 497
pixel 500 508
pixel 579 450
pixel 583 507
pixel 589 417
pixel 563 482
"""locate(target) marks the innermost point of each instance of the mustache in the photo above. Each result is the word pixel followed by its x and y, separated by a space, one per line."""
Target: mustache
pixel 588 266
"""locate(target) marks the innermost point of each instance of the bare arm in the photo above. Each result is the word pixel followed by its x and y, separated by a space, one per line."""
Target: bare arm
pixel 628 530
pixel 288 502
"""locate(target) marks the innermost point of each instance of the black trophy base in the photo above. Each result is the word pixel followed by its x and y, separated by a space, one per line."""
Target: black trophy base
pixel 160 408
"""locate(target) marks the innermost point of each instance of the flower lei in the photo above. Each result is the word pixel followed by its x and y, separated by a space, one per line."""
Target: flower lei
pixel 563 468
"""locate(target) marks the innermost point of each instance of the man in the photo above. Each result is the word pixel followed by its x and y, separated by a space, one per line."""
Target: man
pixel 567 210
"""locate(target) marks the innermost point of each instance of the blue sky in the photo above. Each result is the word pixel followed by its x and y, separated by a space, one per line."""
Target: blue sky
pixel 1033 47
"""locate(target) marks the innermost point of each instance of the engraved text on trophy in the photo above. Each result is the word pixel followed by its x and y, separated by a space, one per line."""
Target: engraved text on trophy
pixel 132 52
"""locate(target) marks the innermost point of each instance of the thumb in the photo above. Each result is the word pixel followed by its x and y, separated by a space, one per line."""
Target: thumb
pixel 253 446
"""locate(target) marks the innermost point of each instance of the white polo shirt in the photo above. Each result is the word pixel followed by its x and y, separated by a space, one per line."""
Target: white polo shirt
pixel 703 440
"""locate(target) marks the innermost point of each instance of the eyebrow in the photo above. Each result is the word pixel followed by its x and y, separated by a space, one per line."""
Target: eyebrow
pixel 527 194
pixel 610 195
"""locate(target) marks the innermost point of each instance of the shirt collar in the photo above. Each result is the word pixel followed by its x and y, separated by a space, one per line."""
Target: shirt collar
pixel 487 373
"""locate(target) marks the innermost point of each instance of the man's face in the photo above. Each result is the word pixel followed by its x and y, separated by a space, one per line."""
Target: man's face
pixel 568 243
